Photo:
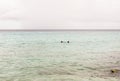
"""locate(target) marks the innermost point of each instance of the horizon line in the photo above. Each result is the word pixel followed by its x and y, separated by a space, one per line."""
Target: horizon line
pixel 59 29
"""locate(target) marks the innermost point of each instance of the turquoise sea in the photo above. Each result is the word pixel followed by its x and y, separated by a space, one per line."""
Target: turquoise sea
pixel 40 55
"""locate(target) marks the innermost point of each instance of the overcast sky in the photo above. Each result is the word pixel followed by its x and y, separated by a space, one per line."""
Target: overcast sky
pixel 59 14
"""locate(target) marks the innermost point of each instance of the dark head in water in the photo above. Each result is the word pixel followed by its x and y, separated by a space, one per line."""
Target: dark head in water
pixel 68 41
pixel 61 41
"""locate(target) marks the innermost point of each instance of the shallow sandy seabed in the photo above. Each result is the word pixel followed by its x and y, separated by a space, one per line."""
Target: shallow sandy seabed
pixel 63 78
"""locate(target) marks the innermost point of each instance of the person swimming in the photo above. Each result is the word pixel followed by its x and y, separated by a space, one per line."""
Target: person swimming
pixel 68 41
pixel 61 41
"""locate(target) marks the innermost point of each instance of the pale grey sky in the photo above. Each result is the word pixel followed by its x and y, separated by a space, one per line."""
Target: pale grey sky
pixel 59 14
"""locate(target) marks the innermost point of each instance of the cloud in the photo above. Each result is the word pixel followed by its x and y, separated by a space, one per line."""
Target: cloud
pixel 60 14
pixel 11 14
pixel 10 24
pixel 70 13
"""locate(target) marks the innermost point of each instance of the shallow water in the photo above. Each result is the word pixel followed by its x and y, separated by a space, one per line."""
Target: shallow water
pixel 40 56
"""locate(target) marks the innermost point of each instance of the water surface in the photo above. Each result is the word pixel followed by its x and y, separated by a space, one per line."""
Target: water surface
pixel 40 56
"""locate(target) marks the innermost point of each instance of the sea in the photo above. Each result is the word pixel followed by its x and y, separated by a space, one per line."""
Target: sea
pixel 48 56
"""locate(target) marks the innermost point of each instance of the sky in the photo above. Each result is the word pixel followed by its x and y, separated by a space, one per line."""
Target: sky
pixel 59 14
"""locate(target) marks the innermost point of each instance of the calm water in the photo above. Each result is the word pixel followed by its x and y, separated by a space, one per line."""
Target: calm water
pixel 39 56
